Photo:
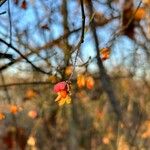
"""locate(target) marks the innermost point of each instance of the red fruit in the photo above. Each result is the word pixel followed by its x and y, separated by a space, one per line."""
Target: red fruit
pixel 60 86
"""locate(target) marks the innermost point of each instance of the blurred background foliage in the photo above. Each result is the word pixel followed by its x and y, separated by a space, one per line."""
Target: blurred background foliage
pixel 37 50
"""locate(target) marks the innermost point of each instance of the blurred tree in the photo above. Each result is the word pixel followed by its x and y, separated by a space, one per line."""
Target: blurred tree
pixel 91 57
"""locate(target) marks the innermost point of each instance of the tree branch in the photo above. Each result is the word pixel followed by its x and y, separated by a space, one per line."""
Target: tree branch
pixel 17 51
pixel 106 84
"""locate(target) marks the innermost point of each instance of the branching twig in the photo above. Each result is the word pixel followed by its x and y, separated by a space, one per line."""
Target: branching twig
pixel 17 51
pixel 38 49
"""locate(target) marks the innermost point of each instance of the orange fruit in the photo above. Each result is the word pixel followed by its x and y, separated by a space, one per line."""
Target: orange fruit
pixel 81 80
pixel 63 93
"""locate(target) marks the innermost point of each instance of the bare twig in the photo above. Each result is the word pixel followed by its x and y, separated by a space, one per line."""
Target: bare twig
pixel 81 39
pixel 17 51
pixel 26 83
pixel 10 23
pixel 2 2
pixel 4 12
pixel 38 49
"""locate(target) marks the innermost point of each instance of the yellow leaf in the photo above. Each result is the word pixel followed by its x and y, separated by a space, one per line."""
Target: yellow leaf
pixel 66 100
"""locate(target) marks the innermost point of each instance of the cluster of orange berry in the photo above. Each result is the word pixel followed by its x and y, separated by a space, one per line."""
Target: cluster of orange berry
pixel 14 109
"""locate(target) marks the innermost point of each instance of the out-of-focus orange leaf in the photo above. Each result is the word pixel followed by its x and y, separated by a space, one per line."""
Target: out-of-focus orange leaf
pixel 31 141
pixel 24 4
pixel 14 109
pixel 90 82
pixel 105 53
pixel 30 93
pixel 105 140
pixel 146 133
pixel 32 114
pixel 68 70
pixel 81 80
pixel 2 116
pixel 140 14
pixel 53 79
pixel 146 2
pixel 122 143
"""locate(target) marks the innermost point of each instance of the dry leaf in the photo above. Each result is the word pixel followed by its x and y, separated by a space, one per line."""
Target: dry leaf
pixel 24 4
pixel 105 53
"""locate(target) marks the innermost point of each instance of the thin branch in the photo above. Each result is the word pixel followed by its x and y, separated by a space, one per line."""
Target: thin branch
pixel 3 1
pixel 10 23
pixel 118 32
pixel 2 13
pixel 105 80
pixel 17 51
pixel 25 83
pixel 81 39
pixel 35 50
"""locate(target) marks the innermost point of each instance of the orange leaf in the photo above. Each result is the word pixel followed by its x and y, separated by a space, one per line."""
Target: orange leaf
pixel 32 114
pixel 105 53
pixel 140 14
pixel 52 79
pixel 105 140
pixel 2 116
pixel 81 81
pixel 30 93
pixel 90 82
pixel 14 109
